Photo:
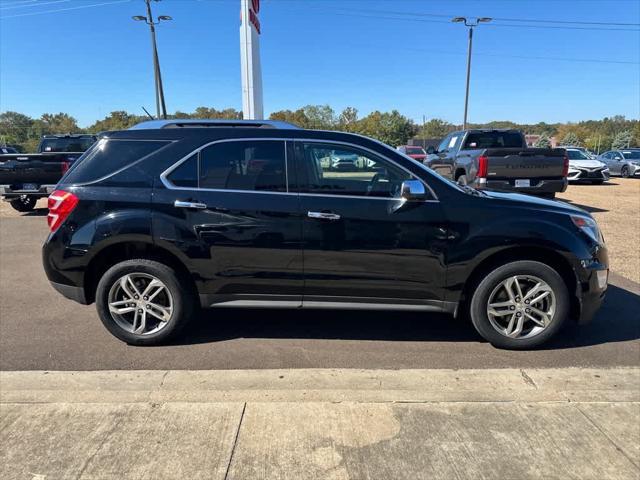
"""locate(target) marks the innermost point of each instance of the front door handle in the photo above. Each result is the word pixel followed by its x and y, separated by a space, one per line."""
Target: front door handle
pixel 195 205
pixel 323 215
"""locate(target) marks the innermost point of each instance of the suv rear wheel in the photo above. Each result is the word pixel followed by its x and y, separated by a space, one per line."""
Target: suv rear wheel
pixel 520 305
pixel 143 302
pixel 24 203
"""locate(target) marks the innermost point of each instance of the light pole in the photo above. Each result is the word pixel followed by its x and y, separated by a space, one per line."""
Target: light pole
pixel 469 23
pixel 161 108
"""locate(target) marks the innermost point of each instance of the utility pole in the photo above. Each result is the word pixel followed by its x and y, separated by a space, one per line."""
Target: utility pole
pixel 161 108
pixel 471 24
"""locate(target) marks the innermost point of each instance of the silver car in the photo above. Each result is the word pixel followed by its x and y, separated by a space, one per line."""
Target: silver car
pixel 625 162
pixel 583 168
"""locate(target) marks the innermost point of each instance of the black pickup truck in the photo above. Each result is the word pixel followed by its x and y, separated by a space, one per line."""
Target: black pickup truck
pixel 25 177
pixel 500 160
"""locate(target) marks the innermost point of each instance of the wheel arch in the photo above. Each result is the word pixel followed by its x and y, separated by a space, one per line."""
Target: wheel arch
pixel 537 254
pixel 118 252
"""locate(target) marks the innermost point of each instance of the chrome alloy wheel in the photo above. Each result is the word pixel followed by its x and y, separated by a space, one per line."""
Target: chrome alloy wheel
pixel 140 303
pixel 521 306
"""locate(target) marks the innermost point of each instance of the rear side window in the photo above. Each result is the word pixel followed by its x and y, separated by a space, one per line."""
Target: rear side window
pixel 493 140
pixel 108 156
pixel 244 165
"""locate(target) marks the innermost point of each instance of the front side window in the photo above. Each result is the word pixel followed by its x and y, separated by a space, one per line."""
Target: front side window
pixel 344 170
pixel 244 165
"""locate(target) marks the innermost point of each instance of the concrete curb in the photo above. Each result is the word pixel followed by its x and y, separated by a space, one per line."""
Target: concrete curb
pixel 323 385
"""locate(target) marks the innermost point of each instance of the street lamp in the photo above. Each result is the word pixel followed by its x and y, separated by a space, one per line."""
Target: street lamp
pixel 469 23
pixel 161 108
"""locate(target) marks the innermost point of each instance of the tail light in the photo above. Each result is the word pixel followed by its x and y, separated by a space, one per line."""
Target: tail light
pixel 483 166
pixel 65 167
pixel 565 166
pixel 60 204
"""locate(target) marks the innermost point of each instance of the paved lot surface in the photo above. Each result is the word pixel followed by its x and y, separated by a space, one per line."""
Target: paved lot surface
pixel 40 330
pixel 311 424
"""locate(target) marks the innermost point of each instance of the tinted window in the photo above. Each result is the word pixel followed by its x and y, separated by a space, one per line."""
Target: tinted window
pixel 480 140
pixel 415 151
pixel 631 154
pixel 576 155
pixel 339 170
pixel 444 144
pixel 66 144
pixel 186 174
pixel 109 156
pixel 249 165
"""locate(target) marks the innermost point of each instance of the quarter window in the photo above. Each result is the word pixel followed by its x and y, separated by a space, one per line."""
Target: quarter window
pixel 186 174
pixel 342 170
pixel 244 165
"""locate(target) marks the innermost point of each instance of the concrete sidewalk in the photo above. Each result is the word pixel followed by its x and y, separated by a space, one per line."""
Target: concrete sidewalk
pixel 316 424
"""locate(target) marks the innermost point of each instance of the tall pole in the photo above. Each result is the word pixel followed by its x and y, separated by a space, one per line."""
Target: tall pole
pixel 466 96
pixel 471 24
pixel 161 108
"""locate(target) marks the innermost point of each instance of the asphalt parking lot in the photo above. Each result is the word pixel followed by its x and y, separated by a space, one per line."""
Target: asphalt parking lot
pixel 40 330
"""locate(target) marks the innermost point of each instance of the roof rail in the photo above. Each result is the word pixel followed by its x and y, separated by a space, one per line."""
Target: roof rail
pixel 208 123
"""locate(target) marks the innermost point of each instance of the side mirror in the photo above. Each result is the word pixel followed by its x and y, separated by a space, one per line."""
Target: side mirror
pixel 413 190
pixel 431 150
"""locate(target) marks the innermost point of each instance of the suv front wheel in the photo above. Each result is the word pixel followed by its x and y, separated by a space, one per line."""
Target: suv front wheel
pixel 143 302
pixel 520 305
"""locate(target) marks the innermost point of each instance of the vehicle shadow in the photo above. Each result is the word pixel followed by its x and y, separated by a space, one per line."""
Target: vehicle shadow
pixel 617 321
pixel 36 212
pixel 588 208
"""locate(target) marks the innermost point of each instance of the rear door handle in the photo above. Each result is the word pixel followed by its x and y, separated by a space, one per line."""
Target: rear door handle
pixel 195 205
pixel 323 215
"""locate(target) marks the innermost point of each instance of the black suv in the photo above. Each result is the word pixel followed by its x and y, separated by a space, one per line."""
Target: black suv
pixel 153 222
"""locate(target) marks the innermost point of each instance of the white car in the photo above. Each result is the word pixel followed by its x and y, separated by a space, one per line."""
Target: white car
pixel 585 169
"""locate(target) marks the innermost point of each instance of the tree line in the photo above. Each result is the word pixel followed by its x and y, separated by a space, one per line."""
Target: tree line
pixel 24 132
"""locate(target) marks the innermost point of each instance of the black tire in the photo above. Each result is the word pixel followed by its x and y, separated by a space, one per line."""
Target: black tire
pixel 184 300
pixel 24 203
pixel 462 180
pixel 625 172
pixel 480 298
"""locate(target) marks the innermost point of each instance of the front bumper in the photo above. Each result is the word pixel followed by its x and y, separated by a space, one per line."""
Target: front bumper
pixel 70 292
pixel 43 191
pixel 588 175
pixel 538 186
pixel 592 275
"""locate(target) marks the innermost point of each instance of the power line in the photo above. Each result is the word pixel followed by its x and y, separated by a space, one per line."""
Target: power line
pixel 64 9
pixel 14 6
pixel 420 20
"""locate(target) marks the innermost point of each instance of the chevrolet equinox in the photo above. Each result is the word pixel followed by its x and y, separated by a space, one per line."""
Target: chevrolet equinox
pixel 154 222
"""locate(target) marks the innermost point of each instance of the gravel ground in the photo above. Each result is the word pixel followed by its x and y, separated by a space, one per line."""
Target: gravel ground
pixel 615 205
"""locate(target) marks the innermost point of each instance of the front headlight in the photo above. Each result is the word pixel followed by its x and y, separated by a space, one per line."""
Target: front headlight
pixel 588 225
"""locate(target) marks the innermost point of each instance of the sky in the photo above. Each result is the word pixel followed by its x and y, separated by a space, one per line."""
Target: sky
pixel 88 57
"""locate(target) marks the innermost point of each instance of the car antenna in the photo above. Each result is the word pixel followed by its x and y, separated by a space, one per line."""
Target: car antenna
pixel 148 114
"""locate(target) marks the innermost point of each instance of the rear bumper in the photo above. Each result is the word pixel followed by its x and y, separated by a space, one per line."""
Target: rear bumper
pixel 537 186
pixel 43 191
pixel 70 292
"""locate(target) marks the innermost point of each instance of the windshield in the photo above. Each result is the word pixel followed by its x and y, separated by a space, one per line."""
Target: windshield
pixel 478 140
pixel 67 144
pixel 415 151
pixel 577 155
pixel 631 154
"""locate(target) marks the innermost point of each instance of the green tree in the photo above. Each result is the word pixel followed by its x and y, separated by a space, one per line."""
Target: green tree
pixel 347 120
pixel 544 141
pixel 436 128
pixel 320 117
pixel 59 123
pixel 391 128
pixel 622 140
pixel 118 120
pixel 296 117
pixel 15 128
pixel 571 139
